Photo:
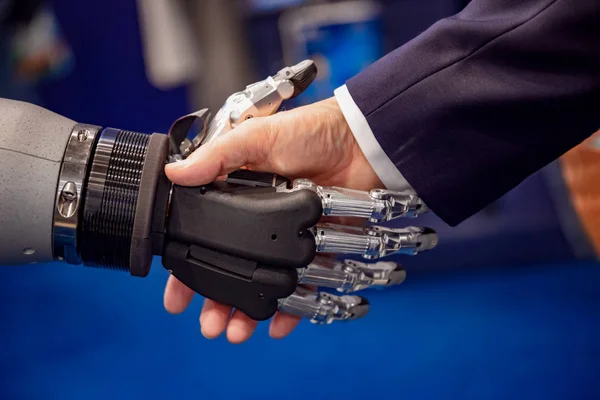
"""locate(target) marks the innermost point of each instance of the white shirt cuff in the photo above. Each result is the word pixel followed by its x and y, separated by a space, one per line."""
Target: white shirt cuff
pixel 381 163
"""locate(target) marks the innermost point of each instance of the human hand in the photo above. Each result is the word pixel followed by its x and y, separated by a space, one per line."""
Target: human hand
pixel 312 142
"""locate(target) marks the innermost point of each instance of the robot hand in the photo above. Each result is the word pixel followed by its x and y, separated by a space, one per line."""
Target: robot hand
pixel 273 225
pixel 95 196
pixel 256 243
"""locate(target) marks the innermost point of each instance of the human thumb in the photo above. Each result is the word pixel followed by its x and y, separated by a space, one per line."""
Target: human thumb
pixel 246 144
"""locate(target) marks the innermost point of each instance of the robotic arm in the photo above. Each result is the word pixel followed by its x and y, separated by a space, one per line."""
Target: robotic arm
pixel 98 197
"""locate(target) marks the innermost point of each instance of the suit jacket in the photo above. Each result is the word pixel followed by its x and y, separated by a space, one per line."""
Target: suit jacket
pixel 483 99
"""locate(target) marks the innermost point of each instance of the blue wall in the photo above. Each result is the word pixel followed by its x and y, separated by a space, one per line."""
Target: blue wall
pixel 108 86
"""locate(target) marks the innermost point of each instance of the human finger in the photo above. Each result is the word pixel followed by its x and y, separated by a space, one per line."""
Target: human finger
pixel 240 327
pixel 214 318
pixel 282 325
pixel 177 296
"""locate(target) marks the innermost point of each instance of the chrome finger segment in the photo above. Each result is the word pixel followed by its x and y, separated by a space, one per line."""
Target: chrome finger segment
pixel 377 205
pixel 300 75
pixel 331 238
pixel 411 240
pixel 373 242
pixel 324 308
pixel 350 275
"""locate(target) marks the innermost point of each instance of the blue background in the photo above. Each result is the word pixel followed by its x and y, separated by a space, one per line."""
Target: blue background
pixel 498 330
pixel 507 333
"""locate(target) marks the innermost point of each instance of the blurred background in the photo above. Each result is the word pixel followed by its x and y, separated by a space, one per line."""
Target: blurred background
pixel 508 306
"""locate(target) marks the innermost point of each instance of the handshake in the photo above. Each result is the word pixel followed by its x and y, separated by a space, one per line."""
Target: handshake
pixel 262 203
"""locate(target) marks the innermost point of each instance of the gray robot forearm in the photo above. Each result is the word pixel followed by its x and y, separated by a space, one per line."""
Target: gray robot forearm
pixel 32 145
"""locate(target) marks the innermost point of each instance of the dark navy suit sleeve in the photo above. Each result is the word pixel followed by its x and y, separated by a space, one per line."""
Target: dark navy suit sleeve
pixel 481 100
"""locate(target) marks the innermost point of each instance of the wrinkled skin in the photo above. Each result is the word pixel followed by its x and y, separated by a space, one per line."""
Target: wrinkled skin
pixel 311 142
